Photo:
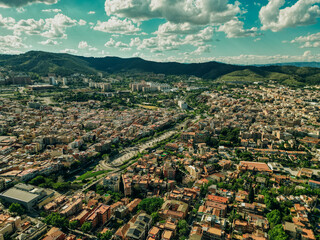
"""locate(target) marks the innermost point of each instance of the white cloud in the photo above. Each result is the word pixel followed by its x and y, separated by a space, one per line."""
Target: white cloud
pixel 49 42
pixel 306 54
pixel 82 22
pixel 234 29
pixel 309 41
pixel 51 27
pixel 83 44
pixel 159 43
pixel 135 42
pixel 55 10
pixel 204 36
pixel 116 25
pixel 110 43
pixel 91 12
pixel 168 42
pixel 20 10
pixel 245 59
pixel 10 44
pixel 11 41
pixel 6 21
pixel 303 12
pixel 57 26
pixel 71 51
pixel 29 26
pixel 180 28
pixel 202 49
pixel 199 12
pixel 20 3
pixel 121 45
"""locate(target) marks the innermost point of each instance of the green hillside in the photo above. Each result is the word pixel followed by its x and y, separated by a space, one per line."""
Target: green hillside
pixel 66 64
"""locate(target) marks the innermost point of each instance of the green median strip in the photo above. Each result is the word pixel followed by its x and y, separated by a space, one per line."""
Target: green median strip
pixel 91 174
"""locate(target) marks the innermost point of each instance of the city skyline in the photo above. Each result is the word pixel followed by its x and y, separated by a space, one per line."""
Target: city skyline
pixel 239 32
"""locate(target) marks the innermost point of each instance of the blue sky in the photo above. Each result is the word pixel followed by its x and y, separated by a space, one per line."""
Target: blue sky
pixel 240 32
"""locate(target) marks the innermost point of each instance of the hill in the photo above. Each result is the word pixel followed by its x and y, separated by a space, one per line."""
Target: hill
pixel 295 64
pixel 66 64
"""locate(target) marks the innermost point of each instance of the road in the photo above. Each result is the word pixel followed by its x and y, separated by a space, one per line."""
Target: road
pixel 131 152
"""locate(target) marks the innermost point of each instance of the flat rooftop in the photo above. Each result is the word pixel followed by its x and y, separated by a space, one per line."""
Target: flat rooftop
pixel 20 195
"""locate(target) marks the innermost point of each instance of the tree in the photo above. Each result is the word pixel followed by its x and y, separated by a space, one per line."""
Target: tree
pixel 37 180
pixel 271 202
pixel 57 220
pixel 105 236
pixel 278 233
pixel 251 195
pixel 204 190
pixel 155 217
pixel 274 217
pixel 73 224
pixel 86 227
pixel 17 209
pixel 234 215
pixel 182 228
pixel 150 205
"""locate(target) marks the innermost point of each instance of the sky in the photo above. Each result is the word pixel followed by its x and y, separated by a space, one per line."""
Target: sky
pixel 230 31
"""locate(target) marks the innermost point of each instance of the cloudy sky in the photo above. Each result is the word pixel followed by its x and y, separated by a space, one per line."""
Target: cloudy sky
pixel 241 32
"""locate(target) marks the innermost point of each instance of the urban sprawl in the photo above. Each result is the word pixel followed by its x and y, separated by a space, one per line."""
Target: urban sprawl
pixel 135 156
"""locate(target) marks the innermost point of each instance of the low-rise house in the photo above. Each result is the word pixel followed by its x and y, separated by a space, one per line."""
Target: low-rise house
pixel 54 234
pixel 174 209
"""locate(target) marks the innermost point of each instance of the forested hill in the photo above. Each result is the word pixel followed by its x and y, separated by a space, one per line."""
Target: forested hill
pixel 66 64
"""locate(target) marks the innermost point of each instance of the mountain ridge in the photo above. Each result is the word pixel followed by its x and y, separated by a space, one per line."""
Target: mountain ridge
pixel 66 64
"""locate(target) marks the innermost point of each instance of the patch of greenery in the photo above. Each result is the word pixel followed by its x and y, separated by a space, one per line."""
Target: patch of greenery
pixel 150 205
pixel 17 209
pixel 91 174
pixel 56 220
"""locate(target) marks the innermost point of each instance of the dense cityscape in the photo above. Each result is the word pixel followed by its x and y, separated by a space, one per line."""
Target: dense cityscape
pixel 159 120
pixel 169 157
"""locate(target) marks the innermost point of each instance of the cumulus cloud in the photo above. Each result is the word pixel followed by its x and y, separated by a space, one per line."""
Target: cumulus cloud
pixel 11 41
pixel 241 59
pixel 85 45
pixel 57 26
pixel 68 50
pixel 168 42
pixel 91 12
pixel 29 26
pixel 159 43
pixel 303 12
pixel 198 12
pixel 55 10
pixel 116 25
pixel 234 29
pixel 202 49
pixel 135 42
pixel 205 35
pixel 49 42
pixel 50 28
pixel 306 54
pixel 110 43
pixel 309 41
pixel 82 22
pixel 6 21
pixel 20 3
pixel 180 28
